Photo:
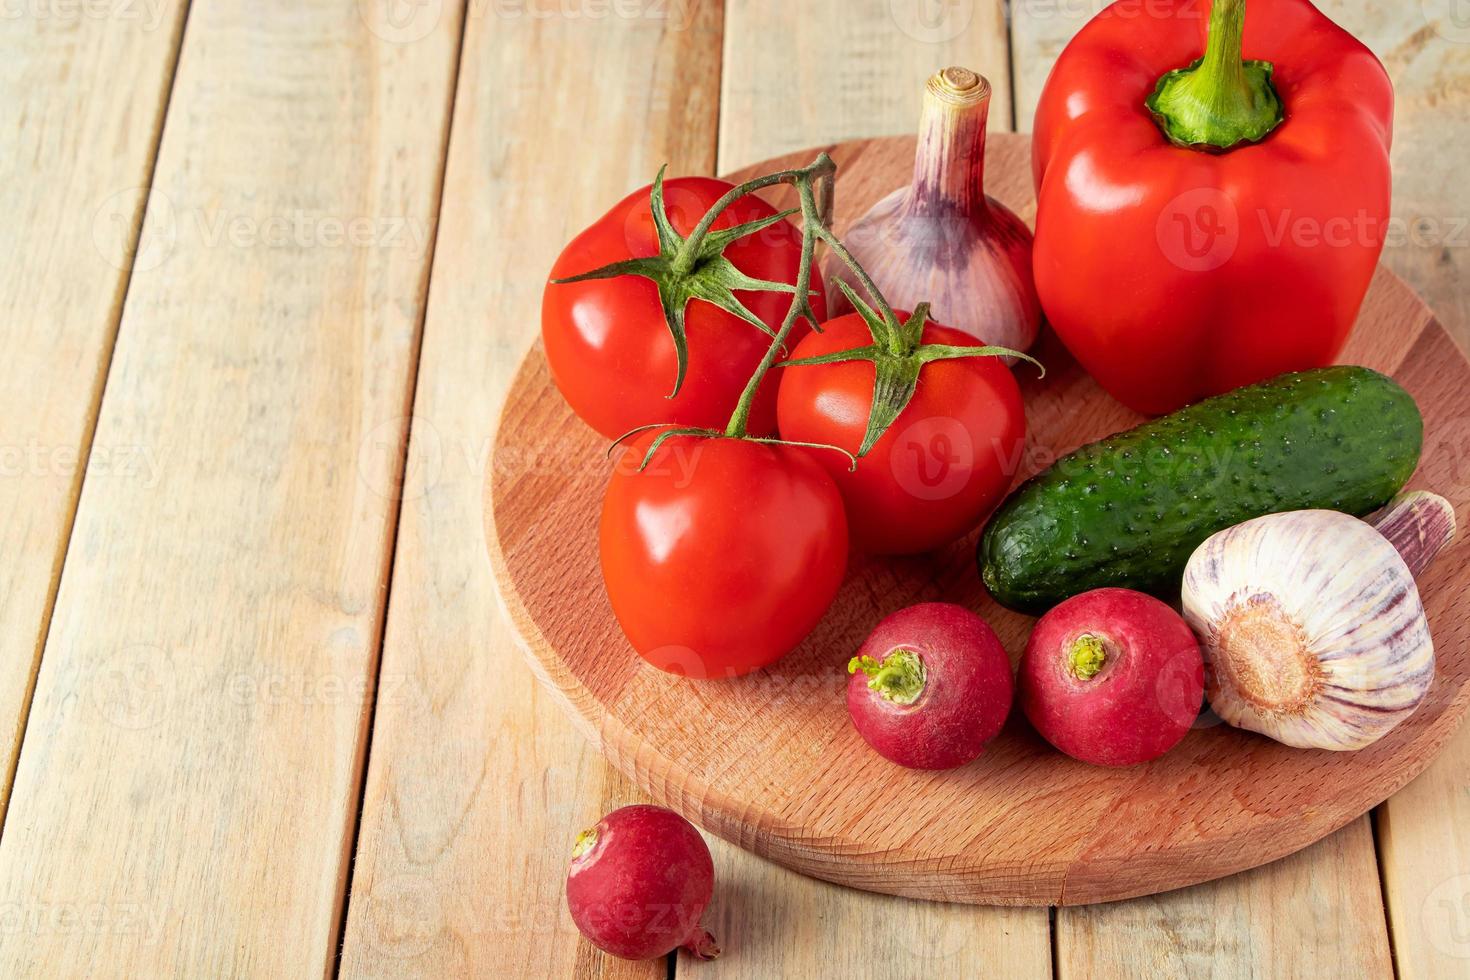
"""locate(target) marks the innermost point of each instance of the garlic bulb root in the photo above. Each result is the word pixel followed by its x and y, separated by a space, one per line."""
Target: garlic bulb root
pixel 1265 658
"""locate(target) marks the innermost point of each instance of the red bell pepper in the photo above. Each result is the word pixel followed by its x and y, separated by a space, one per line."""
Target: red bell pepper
pixel 1205 221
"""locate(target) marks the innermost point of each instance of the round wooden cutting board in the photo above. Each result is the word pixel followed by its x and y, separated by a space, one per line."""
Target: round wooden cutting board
pixel 771 762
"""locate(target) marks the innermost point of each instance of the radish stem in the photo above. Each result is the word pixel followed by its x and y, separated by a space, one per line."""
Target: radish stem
pixel 1086 657
pixel 899 677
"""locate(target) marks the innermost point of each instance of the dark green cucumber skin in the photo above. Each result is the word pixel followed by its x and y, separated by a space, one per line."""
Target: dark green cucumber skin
pixel 1129 511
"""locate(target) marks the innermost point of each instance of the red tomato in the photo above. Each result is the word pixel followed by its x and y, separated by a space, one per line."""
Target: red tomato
pixel 947 459
pixel 722 554
pixel 606 340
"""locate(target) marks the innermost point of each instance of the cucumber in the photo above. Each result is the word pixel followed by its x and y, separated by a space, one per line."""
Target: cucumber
pixel 1129 511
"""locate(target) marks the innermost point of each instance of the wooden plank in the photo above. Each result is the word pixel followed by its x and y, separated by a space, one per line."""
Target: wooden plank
pixel 794 77
pixel 1426 49
pixel 1424 847
pixel 187 787
pixel 477 783
pixel 1425 853
pixel 78 160
pixel 776 923
pixel 802 75
pixel 1040 29
pixel 1308 915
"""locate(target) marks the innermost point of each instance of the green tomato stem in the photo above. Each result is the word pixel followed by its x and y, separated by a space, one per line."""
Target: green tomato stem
pixel 688 253
pixel 893 338
pixel 821 169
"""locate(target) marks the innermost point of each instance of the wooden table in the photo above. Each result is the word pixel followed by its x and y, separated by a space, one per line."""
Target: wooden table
pixel 261 716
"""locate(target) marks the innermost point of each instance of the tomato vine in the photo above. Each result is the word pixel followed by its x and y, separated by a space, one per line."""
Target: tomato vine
pixel 694 268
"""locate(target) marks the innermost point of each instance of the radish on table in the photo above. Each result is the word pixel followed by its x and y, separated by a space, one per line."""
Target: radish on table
pixel 930 686
pixel 1112 677
pixel 639 882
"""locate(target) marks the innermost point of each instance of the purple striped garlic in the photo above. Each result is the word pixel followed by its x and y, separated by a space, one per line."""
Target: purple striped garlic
pixel 942 240
pixel 1310 622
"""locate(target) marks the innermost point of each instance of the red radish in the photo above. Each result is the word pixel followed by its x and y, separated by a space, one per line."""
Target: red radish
pixel 1112 677
pixel 930 686
pixel 639 882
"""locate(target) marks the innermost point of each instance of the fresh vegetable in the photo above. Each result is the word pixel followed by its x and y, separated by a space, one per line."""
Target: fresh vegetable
pixel 1311 622
pixel 1129 510
pixel 720 549
pixel 942 239
pixel 1112 677
pixel 946 459
pixel 639 882
pixel 930 686
pixel 656 315
pixel 720 555
pixel 1205 221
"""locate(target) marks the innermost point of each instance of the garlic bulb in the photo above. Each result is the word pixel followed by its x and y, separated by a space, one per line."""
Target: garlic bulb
pixel 1311 624
pixel 942 240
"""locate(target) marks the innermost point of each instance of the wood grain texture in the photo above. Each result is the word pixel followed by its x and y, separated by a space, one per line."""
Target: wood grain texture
pixel 1040 29
pixel 797 75
pixel 188 784
pixel 1018 826
pixel 477 784
pixel 777 923
pixel 79 152
pixel 1304 916
pixel 1426 48
pixel 1424 851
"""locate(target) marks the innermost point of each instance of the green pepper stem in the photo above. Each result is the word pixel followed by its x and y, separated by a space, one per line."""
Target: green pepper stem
pixel 1220 100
